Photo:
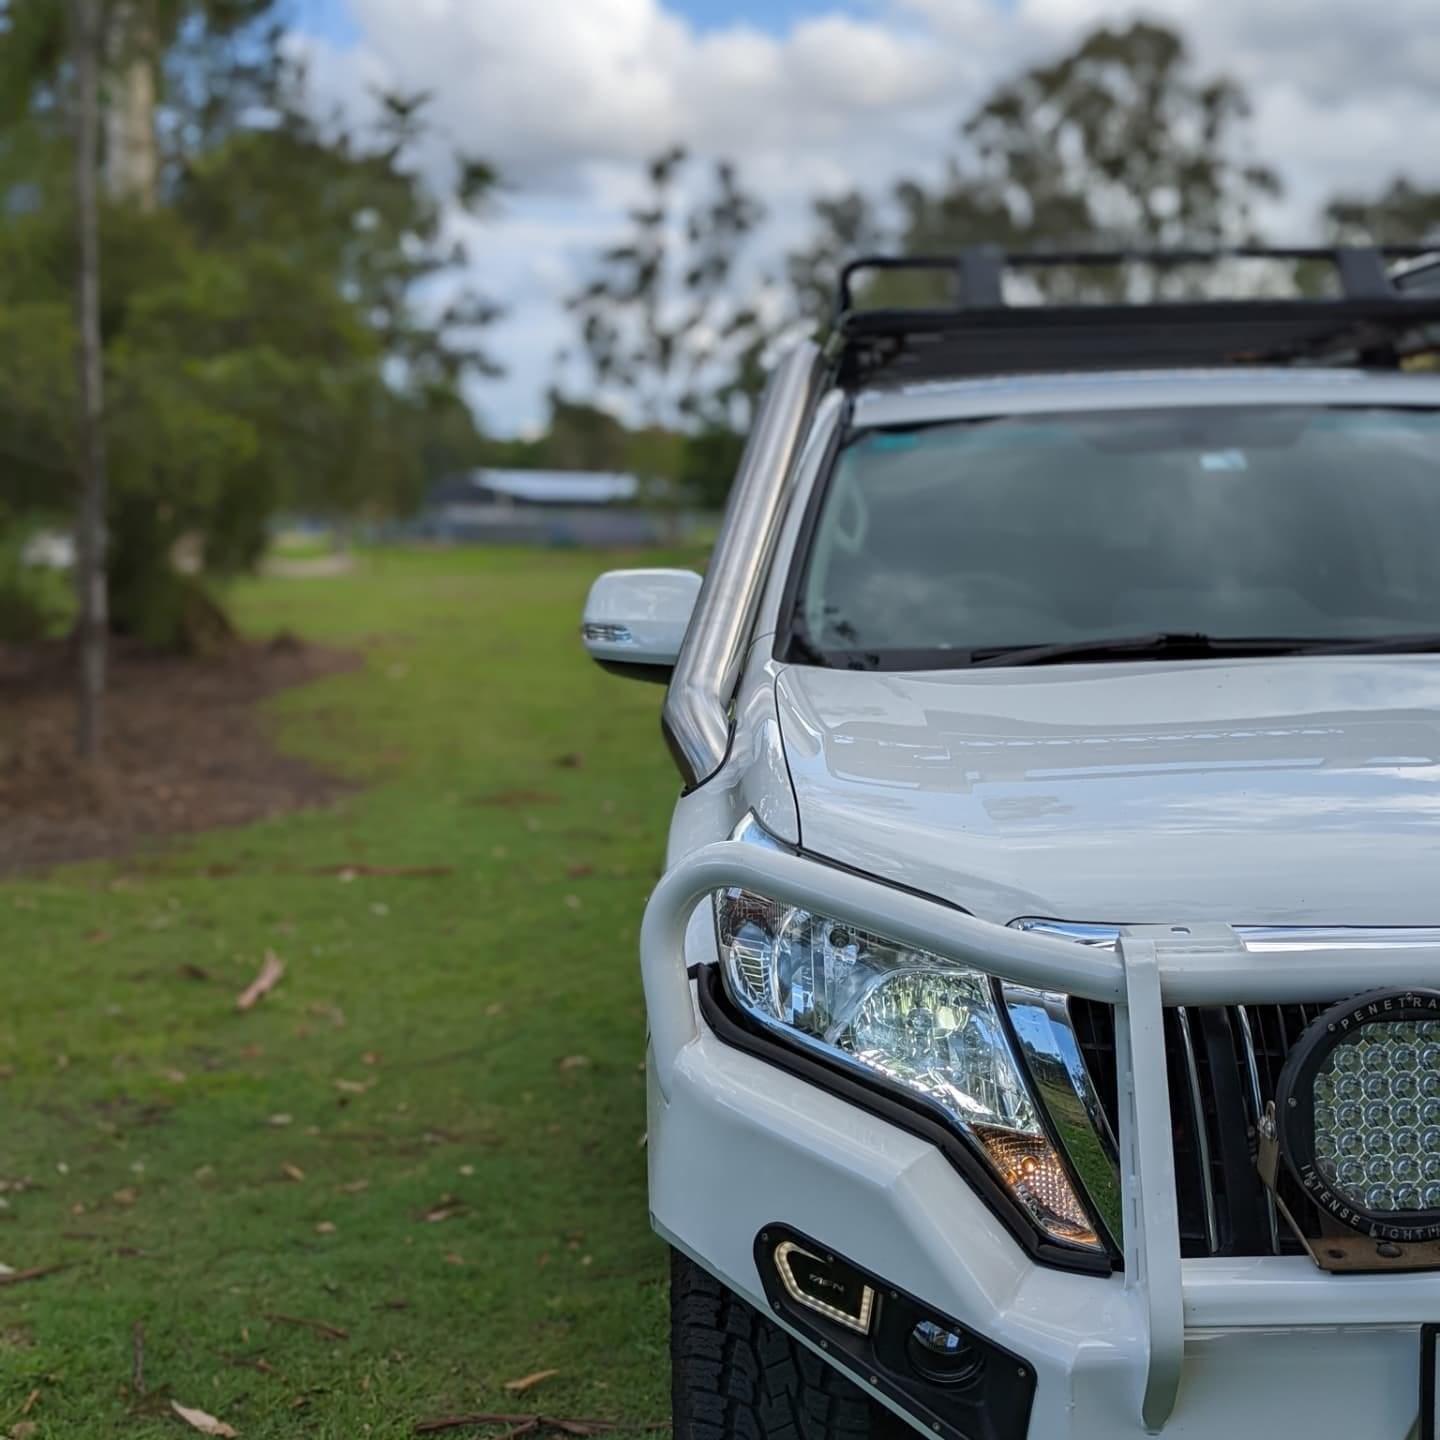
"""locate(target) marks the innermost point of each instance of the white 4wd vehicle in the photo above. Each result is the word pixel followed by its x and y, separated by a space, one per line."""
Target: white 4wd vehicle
pixel 1044 986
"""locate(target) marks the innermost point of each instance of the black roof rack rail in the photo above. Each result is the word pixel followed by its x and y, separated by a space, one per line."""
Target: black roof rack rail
pixel 1370 323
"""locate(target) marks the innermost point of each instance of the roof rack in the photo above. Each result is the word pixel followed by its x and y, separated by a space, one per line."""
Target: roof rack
pixel 1371 323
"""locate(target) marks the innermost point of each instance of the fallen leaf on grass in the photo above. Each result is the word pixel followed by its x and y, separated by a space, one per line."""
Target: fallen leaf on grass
pixel 325 1227
pixel 355 1187
pixel 574 1062
pixel 189 971
pixel 175 1077
pixel 370 1058
pixel 354 1087
pixel 445 1208
pixel 205 1424
pixel 292 1172
pixel 528 1382
pixel 320 1327
pixel 495 1009
pixel 127 1196
pixel 30 1402
pixel 397 1304
pixel 579 872
pixel 572 902
pixel 279 1122
pixel 97 937
pixel 405 871
pixel 453 1259
pixel 263 983
pixel 23 1429
pixel 246 1362
pixel 38 1272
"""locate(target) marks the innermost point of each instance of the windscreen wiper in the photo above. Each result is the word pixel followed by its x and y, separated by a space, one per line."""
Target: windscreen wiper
pixel 1181 645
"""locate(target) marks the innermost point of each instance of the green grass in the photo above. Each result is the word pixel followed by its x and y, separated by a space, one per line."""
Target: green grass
pixel 298 546
pixel 477 1035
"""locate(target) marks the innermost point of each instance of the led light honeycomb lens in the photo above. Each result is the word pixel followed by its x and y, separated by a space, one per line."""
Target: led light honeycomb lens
pixel 1377 1117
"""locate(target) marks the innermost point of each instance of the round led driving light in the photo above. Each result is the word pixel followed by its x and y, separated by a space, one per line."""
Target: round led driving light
pixel 1358 1114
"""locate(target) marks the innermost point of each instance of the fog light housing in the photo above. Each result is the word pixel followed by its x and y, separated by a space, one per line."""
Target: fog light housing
pixel 945 1357
pixel 1358 1115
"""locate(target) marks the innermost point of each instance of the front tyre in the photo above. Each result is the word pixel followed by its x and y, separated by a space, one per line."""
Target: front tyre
pixel 735 1373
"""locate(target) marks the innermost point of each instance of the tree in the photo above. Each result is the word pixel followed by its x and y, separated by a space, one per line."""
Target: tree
pixel 665 323
pixel 1400 214
pixel 90 574
pixel 1116 144
pixel 845 227
pixel 264 342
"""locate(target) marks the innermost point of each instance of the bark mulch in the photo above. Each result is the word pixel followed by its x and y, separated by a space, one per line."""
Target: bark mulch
pixel 185 749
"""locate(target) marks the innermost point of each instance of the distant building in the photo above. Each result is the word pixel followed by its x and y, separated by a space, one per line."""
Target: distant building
pixel 547 507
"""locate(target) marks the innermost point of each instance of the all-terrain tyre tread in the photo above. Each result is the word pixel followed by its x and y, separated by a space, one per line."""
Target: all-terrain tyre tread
pixel 736 1375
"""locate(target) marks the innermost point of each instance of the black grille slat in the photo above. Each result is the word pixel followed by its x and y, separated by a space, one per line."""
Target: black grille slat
pixel 1244 1219
pixel 1226 1111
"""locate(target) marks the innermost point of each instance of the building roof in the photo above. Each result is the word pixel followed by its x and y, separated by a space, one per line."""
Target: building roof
pixel 543 487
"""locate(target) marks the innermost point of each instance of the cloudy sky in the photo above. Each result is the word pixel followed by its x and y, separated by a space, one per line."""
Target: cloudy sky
pixel 567 97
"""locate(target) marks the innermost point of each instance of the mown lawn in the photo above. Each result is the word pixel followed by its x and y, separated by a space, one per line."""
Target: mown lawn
pixel 429 1135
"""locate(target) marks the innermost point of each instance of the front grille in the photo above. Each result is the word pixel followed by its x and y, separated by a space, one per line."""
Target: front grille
pixel 1223 1067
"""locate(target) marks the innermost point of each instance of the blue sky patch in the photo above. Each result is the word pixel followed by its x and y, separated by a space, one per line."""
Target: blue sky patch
pixel 775 16
pixel 329 20
pixel 332 20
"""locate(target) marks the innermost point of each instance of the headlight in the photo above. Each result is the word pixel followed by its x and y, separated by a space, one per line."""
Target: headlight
pixel 915 1021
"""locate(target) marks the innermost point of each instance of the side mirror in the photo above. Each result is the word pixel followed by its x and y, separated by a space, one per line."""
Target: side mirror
pixel 635 620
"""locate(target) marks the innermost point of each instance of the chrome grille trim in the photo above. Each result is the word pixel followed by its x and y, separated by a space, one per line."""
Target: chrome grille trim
pixel 1202 1131
pixel 1260 939
pixel 1252 1075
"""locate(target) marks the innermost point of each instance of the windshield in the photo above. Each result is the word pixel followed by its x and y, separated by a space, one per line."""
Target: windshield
pixel 1048 530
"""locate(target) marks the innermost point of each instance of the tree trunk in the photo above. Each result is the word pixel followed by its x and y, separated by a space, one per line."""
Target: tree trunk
pixel 90 510
pixel 132 152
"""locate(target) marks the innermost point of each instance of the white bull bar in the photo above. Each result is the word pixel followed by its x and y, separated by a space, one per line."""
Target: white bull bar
pixel 1151 966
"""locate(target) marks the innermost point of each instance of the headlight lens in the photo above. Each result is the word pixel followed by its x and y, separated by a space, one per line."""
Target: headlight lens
pixel 920 1023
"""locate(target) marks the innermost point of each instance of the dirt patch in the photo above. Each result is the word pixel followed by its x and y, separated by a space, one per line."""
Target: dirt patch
pixel 185 750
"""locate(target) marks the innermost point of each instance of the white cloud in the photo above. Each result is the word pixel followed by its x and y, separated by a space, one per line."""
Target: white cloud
pixel 567 97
